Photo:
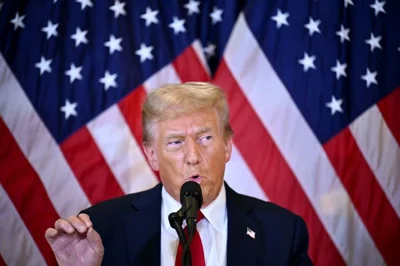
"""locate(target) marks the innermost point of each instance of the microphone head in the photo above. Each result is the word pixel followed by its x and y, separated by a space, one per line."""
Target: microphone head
pixel 191 188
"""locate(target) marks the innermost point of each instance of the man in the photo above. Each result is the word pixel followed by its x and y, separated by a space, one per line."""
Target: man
pixel 186 137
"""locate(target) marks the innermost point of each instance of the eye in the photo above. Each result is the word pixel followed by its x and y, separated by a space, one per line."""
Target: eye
pixel 174 142
pixel 206 139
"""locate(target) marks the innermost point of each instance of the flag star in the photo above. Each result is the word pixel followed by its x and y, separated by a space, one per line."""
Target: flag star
pixel 216 15
pixel 335 105
pixel 50 29
pixel 108 80
pixel 144 52
pixel 44 65
pixel 150 16
pixel 118 8
pixel 307 62
pixel 312 26
pixel 370 77
pixel 192 7
pixel 348 2
pixel 378 7
pixel 85 3
pixel 281 18
pixel 17 21
pixel 339 69
pixel 210 50
pixel 114 44
pixel 177 25
pixel 374 42
pixel 79 36
pixel 69 109
pixel 343 33
pixel 74 73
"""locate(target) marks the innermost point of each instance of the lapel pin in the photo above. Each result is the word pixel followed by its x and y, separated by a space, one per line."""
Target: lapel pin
pixel 251 233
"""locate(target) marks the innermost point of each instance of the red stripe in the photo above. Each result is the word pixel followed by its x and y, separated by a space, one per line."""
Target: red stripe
pixel 189 67
pixel 271 170
pixel 131 109
pixel 390 109
pixel 366 194
pixel 2 263
pixel 90 167
pixel 19 178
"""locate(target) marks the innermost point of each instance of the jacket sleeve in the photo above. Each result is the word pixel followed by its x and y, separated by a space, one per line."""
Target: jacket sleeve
pixel 300 244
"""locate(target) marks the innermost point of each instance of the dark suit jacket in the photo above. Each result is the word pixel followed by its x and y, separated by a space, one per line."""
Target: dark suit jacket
pixel 130 228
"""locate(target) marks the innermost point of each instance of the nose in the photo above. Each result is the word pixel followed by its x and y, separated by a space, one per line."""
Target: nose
pixel 192 153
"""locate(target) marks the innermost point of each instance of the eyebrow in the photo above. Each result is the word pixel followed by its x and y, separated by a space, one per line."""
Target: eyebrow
pixel 174 135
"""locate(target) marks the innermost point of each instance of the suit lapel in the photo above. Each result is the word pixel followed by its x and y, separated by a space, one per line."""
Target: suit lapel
pixel 242 246
pixel 144 228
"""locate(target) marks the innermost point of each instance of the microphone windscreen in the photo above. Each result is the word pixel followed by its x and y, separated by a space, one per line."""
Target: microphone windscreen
pixel 191 188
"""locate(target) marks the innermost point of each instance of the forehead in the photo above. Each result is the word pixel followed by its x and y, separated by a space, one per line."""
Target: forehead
pixel 190 123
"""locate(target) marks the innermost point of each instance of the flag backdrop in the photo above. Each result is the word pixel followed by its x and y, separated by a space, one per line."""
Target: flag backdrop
pixel 313 87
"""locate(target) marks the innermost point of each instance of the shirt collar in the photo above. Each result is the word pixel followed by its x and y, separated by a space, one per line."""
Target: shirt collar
pixel 215 213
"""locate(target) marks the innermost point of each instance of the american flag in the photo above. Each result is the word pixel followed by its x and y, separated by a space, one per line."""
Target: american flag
pixel 313 87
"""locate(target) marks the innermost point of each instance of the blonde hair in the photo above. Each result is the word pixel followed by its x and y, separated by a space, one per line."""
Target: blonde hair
pixel 172 100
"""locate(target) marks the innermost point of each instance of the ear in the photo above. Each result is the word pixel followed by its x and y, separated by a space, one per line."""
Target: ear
pixel 228 148
pixel 149 150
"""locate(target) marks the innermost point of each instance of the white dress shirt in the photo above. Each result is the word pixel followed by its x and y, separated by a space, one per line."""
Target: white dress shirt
pixel 212 229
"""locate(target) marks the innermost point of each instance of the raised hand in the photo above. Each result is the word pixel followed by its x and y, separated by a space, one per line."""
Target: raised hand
pixel 75 242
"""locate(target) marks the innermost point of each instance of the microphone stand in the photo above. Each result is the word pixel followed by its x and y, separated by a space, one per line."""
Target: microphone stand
pixel 176 220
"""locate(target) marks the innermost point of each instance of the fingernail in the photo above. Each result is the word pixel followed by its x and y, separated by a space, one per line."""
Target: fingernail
pixel 88 224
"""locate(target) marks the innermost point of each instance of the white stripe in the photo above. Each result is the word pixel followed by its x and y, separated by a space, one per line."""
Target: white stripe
pixel 240 178
pixel 381 151
pixel 38 146
pixel 121 151
pixel 165 75
pixel 299 146
pixel 17 246
pixel 198 48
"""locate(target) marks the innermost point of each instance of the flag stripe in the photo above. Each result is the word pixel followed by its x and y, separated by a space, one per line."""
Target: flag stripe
pixel 16 246
pixel 189 67
pixel 131 109
pixel 270 168
pixel 381 151
pixel 18 178
pixel 198 49
pixel 295 140
pixel 80 148
pixel 389 107
pixel 38 146
pixel 121 151
pixel 369 199
pixel 165 75
pixel 239 176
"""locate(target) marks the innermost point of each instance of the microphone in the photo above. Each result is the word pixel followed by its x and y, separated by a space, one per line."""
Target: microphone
pixel 191 200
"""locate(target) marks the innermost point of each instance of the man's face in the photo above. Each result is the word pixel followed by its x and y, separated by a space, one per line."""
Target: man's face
pixel 190 147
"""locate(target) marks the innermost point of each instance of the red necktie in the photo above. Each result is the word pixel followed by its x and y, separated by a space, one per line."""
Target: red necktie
pixel 196 248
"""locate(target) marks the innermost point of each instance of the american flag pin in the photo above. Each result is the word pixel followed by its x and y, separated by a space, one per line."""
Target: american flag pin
pixel 251 233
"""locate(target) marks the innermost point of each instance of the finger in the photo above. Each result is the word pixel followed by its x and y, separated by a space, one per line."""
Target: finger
pixel 50 234
pixel 95 241
pixel 86 219
pixel 78 224
pixel 64 226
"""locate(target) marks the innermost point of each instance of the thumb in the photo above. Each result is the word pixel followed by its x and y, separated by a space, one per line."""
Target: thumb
pixel 95 242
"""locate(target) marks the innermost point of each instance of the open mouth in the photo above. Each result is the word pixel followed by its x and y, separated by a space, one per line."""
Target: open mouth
pixel 196 178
